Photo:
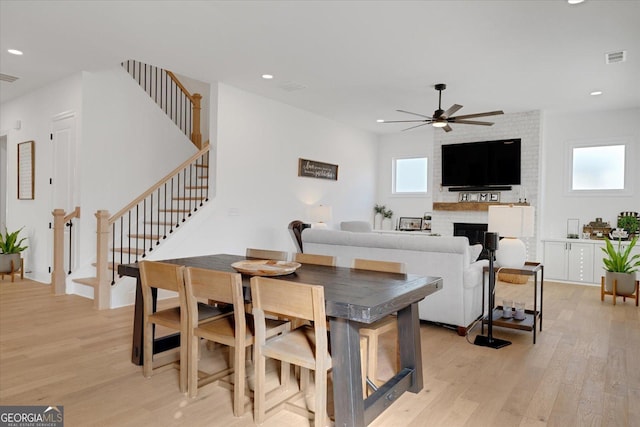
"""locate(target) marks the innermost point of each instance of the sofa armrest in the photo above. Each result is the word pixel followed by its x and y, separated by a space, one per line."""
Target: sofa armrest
pixel 472 275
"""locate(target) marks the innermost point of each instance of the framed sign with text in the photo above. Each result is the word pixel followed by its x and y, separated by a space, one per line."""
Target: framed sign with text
pixel 313 169
pixel 26 170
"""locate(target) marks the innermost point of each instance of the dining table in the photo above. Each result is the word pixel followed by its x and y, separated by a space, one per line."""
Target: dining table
pixel 353 298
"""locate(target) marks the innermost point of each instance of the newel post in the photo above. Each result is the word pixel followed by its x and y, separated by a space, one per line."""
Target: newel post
pixel 102 291
pixel 58 278
pixel 196 136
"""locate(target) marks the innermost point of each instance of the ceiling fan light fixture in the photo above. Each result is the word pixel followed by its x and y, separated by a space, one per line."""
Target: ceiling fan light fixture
pixel 439 123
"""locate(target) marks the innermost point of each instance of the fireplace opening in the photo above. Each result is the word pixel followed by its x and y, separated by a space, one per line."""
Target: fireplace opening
pixel 474 232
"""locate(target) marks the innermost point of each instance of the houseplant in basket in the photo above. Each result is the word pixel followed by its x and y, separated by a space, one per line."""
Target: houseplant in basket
pixel 10 248
pixel 620 265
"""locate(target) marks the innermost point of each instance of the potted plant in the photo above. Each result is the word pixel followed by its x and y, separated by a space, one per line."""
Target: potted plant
pixel 629 223
pixel 620 265
pixel 10 248
pixel 378 216
pixel 386 221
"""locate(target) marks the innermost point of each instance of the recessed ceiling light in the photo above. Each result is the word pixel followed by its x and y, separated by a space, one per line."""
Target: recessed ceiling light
pixel 14 51
pixel 596 93
pixel 380 120
pixel 267 76
pixel 574 1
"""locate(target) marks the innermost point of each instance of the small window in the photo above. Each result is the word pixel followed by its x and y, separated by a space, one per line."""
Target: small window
pixel 598 168
pixel 410 175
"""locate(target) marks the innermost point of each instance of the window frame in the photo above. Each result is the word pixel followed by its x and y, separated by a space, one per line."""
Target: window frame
pixel 628 170
pixel 394 163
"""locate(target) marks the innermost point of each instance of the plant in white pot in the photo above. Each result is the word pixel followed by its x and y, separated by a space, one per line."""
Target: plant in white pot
pixel 621 266
pixel 10 248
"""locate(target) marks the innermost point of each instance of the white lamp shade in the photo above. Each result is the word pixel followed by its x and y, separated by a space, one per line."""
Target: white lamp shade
pixel 511 221
pixel 320 213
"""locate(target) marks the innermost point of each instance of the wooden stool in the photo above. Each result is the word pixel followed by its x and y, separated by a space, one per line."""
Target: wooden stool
pixel 15 270
pixel 613 292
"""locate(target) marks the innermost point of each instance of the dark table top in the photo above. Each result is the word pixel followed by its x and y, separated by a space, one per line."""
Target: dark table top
pixel 359 295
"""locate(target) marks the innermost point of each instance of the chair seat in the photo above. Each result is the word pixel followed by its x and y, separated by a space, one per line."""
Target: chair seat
pixel 222 330
pixel 294 348
pixel 170 317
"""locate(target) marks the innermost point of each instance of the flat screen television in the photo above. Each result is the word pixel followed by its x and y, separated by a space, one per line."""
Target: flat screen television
pixel 481 164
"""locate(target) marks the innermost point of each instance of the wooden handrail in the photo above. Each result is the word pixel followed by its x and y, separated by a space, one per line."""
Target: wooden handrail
pixel 58 277
pixel 157 185
pixel 180 85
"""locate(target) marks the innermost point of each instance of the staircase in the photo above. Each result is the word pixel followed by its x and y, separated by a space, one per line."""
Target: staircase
pixel 134 231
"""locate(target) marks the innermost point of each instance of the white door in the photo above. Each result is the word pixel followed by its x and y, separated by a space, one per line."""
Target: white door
pixel 63 179
pixel 3 182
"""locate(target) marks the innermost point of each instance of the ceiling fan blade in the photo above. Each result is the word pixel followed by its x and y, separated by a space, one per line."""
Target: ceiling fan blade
pixel 415 114
pixel 447 128
pixel 406 121
pixel 489 113
pixel 413 127
pixel 450 111
pixel 470 122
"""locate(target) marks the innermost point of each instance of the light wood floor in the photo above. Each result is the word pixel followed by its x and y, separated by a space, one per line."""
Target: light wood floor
pixel 583 371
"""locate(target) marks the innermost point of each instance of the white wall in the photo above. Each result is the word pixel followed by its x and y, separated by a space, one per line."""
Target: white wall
pixel 35 112
pixel 559 131
pixel 418 142
pixel 259 142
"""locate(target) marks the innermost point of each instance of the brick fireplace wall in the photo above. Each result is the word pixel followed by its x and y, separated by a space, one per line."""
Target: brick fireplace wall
pixel 527 127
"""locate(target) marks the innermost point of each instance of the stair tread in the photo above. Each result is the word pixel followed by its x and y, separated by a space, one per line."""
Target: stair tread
pixel 145 236
pixel 90 281
pixel 110 265
pixel 129 250
pixel 202 166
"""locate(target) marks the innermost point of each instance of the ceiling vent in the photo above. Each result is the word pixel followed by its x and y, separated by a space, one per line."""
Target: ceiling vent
pixel 7 78
pixel 613 57
pixel 292 86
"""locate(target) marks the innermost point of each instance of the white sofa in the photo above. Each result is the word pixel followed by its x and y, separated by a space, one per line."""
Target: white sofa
pixel 458 304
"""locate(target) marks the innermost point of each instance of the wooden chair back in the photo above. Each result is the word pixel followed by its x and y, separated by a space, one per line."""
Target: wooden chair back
pixel 267 254
pixel 382 266
pixel 288 299
pixel 215 287
pixel 315 259
pixel 160 275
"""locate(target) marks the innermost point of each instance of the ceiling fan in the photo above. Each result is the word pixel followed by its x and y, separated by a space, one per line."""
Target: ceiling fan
pixel 442 119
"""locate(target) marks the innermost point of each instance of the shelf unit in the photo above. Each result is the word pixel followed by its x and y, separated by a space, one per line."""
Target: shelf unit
pixel 533 318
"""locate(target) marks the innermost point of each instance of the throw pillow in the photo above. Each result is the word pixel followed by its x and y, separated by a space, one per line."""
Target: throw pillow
pixel 474 252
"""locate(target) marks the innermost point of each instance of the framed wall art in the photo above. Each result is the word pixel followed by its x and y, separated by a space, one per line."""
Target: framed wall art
pixel 314 169
pixel 26 170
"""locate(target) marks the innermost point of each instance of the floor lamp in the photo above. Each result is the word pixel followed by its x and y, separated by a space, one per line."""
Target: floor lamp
pixel 491 244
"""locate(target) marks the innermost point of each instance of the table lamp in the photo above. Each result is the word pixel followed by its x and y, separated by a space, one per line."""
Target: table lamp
pixel 320 216
pixel 511 222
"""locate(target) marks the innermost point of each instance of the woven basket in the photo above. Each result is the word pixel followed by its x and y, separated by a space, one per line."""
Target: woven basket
pixel 516 279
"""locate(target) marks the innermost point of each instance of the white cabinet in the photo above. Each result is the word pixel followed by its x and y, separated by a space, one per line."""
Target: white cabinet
pixel 569 260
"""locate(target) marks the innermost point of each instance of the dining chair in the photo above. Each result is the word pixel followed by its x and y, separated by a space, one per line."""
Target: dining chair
pixel 370 333
pixel 267 254
pixel 305 346
pixel 234 331
pixel 158 275
pixel 315 259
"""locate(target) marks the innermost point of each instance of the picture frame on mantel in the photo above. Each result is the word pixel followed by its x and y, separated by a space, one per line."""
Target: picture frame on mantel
pixel 479 197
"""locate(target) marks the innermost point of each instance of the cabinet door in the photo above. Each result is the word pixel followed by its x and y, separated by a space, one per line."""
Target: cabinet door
pixel 580 262
pixel 555 260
